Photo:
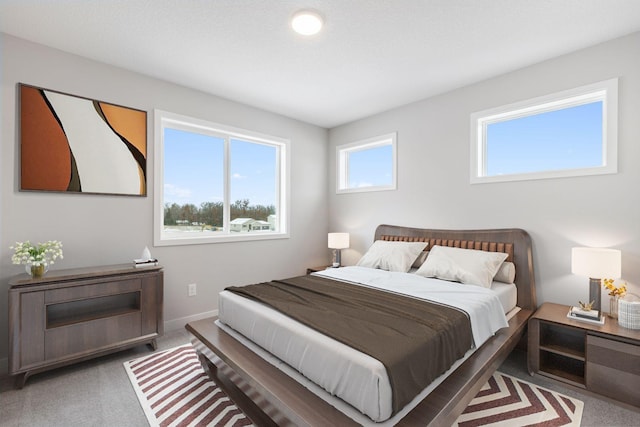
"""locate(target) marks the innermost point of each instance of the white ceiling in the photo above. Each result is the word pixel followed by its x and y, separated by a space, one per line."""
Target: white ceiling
pixel 372 55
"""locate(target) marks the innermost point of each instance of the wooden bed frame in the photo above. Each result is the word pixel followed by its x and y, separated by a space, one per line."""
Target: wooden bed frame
pixel 270 397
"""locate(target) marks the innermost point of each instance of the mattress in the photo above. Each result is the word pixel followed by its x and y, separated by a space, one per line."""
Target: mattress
pixel 507 294
pixel 340 370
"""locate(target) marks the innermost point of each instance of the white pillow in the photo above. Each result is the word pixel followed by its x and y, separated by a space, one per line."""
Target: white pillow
pixel 392 256
pixel 468 266
pixel 506 273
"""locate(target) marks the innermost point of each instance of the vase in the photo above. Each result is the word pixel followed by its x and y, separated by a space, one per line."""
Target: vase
pixel 613 307
pixel 36 270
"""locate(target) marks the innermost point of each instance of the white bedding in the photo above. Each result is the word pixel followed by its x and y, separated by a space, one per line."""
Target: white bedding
pixel 349 374
pixel 507 293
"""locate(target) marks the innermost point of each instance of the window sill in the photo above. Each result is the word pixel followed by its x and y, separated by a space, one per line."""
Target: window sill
pixel 226 238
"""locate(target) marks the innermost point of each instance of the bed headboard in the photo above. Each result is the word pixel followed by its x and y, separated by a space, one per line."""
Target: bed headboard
pixel 513 241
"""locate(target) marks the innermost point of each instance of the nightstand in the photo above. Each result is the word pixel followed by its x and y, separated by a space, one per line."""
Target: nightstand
pixel 604 359
pixel 314 269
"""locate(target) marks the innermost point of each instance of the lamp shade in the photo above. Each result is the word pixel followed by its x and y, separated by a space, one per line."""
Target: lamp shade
pixel 338 240
pixel 596 262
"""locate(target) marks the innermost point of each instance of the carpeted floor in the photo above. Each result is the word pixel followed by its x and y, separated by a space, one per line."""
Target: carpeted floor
pixel 99 393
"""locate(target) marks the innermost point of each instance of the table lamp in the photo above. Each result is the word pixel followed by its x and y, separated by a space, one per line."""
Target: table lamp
pixel 596 264
pixel 337 241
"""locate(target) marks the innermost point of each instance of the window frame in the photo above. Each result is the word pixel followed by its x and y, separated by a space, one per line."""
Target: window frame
pixel 164 119
pixel 605 91
pixel 342 168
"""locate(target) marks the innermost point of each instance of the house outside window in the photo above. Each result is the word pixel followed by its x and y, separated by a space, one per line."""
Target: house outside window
pixel 215 183
pixel 570 133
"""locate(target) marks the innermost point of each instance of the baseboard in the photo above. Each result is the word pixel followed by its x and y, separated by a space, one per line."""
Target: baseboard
pixel 175 324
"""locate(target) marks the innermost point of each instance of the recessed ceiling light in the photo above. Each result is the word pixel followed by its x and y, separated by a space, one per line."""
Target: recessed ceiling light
pixel 307 22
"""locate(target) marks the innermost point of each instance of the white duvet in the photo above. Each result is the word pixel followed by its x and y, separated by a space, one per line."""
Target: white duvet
pixel 337 368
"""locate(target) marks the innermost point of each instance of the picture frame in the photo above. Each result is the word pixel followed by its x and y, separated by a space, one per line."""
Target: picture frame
pixel 73 144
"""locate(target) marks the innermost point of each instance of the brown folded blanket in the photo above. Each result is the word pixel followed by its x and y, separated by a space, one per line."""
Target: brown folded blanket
pixel 415 340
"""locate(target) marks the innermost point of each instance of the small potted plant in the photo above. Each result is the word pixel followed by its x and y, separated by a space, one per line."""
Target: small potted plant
pixel 36 258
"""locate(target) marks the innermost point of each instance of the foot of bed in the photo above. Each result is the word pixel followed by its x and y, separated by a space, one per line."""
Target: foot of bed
pixel 257 416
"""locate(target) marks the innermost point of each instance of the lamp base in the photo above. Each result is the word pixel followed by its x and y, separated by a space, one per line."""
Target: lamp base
pixel 595 294
pixel 336 258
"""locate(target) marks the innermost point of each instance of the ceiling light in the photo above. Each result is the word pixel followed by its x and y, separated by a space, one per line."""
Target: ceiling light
pixel 307 22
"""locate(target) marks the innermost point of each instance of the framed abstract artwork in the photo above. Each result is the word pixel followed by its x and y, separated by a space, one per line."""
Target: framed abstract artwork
pixel 79 145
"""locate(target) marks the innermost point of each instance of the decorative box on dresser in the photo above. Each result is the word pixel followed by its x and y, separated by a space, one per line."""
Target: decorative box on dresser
pixel 71 315
pixel 604 359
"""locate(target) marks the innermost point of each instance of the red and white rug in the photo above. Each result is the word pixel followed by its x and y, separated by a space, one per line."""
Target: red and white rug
pixel 509 401
pixel 174 390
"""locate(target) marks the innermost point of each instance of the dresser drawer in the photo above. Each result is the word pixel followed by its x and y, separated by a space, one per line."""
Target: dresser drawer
pixel 613 369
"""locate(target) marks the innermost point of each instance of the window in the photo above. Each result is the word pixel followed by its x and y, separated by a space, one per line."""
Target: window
pixel 214 183
pixel 368 165
pixel 571 133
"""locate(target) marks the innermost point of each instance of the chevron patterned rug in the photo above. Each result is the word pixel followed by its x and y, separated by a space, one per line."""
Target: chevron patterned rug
pixel 509 401
pixel 174 390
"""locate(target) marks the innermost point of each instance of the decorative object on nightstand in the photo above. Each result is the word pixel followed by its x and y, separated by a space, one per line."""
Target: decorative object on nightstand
pixel 596 263
pixel 36 258
pixel 615 293
pixel 629 311
pixel 337 241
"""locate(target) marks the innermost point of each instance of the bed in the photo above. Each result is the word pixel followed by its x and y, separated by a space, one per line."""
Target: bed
pixel 267 392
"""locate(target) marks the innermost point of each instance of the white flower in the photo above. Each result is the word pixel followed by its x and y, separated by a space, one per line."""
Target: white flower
pixel 40 254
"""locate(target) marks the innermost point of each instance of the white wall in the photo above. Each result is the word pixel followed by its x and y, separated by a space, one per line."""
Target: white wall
pixel 433 173
pixel 98 230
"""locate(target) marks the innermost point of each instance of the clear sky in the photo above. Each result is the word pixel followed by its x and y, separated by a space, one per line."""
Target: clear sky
pixel 371 167
pixel 564 139
pixel 194 169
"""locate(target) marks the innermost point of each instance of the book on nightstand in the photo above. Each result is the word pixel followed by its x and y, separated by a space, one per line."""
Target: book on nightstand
pixel 591 316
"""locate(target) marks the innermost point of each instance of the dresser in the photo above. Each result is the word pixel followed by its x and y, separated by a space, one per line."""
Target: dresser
pixel 72 315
